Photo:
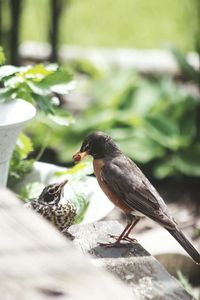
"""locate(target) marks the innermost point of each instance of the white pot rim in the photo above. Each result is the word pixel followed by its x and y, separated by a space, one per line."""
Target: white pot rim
pixel 25 111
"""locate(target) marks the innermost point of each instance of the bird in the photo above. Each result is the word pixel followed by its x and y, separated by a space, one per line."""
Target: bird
pixel 62 215
pixel 129 189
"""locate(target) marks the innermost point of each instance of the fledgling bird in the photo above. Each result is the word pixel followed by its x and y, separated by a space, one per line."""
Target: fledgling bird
pixel 129 189
pixel 62 215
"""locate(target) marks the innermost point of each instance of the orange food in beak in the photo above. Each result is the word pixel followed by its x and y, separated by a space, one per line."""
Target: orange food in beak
pixel 79 156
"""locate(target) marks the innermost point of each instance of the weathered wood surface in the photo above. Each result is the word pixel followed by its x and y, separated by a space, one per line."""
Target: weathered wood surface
pixel 37 262
pixel 130 262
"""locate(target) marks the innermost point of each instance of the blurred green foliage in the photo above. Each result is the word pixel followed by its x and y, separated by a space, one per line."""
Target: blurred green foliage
pixel 19 165
pixel 153 121
pixel 37 84
pixel 76 174
pixel 42 86
pixel 134 24
pixel 2 56
pixel 184 281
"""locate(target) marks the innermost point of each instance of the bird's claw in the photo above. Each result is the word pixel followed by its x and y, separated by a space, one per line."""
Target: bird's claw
pixel 110 245
pixel 128 239
pixel 125 238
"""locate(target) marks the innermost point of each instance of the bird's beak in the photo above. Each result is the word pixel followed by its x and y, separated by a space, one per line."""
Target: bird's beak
pixel 79 156
pixel 62 184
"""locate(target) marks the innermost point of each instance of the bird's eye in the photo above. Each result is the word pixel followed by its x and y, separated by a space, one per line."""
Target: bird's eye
pixel 51 191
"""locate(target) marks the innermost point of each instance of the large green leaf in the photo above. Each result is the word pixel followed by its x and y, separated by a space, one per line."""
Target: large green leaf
pixel 145 97
pixel 24 145
pixel 7 70
pixel 44 103
pixel 163 131
pixel 58 77
pixel 37 72
pixel 164 168
pixel 2 56
pixel 137 145
pixel 6 94
pixel 61 118
pixel 188 162
pixel 185 67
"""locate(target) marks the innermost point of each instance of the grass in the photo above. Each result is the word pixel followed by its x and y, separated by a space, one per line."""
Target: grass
pixel 128 23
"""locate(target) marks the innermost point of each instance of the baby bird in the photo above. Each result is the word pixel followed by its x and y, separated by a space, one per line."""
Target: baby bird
pixel 62 215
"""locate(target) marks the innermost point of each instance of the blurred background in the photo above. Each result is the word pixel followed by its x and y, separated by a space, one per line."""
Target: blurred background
pixel 136 66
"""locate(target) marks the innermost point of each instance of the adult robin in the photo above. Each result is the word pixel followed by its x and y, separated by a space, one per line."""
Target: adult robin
pixel 48 204
pixel 128 188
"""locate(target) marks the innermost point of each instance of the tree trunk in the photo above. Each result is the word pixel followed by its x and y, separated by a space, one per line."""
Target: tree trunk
pixel 57 7
pixel 15 11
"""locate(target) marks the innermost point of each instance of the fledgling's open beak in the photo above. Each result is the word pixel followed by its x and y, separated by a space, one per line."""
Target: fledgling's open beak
pixel 79 156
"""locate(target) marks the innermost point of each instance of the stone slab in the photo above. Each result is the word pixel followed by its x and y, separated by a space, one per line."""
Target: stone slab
pixel 130 262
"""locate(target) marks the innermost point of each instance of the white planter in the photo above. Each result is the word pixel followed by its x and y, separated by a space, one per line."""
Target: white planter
pixel 13 116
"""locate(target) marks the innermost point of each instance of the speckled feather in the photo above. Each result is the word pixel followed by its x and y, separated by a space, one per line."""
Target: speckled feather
pixel 60 215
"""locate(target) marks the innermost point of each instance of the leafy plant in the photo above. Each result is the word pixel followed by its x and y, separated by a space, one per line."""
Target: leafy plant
pixel 43 86
pixel 19 165
pixel 76 174
pixel 82 203
pixel 2 56
pixel 39 84
pixel 153 121
pixel 185 283
pixel 186 68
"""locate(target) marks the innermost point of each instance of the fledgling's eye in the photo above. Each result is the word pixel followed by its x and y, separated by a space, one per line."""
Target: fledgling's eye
pixel 51 191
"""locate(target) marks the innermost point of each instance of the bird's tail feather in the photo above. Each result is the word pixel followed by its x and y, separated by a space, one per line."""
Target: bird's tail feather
pixel 184 242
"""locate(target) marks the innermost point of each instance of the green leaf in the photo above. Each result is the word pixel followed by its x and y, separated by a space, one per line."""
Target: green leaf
pixel 139 147
pixel 184 281
pixel 145 97
pixel 185 67
pixel 82 205
pixel 63 89
pixel 30 191
pixel 188 162
pixel 6 94
pixel 7 70
pixel 2 56
pixel 163 131
pixel 61 118
pixel 44 103
pixel 19 165
pixel 163 169
pixel 37 72
pixel 24 145
pixel 79 170
pixel 56 78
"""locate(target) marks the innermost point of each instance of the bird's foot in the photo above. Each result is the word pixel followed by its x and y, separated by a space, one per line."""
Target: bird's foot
pixel 128 239
pixel 110 245
pixel 124 238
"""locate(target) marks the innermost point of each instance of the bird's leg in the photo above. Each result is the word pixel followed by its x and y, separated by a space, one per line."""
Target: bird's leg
pixel 125 236
pixel 132 221
pixel 118 238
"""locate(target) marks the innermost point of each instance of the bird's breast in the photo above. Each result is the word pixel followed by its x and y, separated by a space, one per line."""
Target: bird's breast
pixel 98 165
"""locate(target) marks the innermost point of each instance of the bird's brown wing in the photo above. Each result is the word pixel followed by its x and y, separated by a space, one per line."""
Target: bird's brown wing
pixel 130 185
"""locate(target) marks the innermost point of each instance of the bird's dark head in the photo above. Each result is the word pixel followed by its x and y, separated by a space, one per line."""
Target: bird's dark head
pixel 97 144
pixel 51 194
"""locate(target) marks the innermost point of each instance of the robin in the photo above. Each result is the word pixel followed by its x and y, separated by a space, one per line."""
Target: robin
pixel 128 188
pixel 62 215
